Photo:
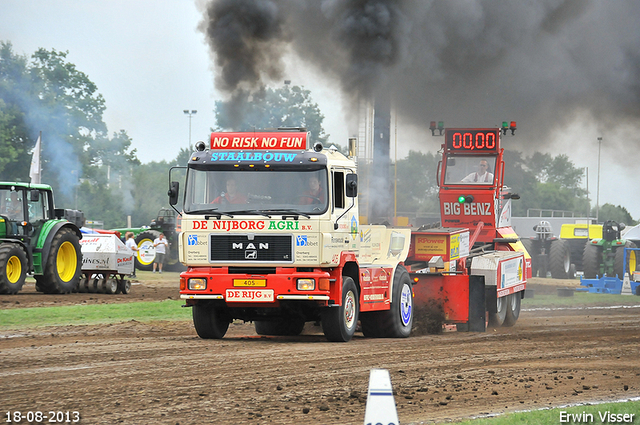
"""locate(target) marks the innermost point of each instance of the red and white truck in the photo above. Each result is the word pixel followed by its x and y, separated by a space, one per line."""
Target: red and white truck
pixel 271 233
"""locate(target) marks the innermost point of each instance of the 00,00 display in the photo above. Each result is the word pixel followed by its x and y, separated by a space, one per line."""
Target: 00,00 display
pixel 472 140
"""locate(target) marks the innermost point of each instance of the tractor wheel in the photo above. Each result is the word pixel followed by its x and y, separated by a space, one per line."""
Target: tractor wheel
pixel 286 327
pixel 339 323
pixel 13 268
pixel 63 266
pixel 398 320
pixel 513 302
pixel 560 259
pixel 210 321
pixel 632 263
pixel 497 319
pixel 146 251
pixel 591 259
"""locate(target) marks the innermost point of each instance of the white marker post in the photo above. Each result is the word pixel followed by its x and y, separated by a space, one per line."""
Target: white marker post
pixel 381 406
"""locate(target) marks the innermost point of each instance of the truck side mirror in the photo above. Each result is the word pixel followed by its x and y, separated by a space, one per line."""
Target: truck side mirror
pixel 352 185
pixel 34 195
pixel 173 193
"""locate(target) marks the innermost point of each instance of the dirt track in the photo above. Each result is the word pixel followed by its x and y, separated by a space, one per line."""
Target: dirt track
pixel 162 373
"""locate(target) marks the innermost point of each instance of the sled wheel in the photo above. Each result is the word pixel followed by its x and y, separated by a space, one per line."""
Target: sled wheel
pixel 13 268
pixel 110 286
pixel 124 286
pixel 63 266
pixel 210 321
pixel 513 302
pixel 339 323
pixel 497 319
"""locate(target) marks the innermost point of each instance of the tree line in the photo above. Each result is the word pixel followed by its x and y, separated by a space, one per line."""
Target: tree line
pixel 100 173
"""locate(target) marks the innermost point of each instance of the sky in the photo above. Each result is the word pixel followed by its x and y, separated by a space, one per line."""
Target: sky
pixel 565 70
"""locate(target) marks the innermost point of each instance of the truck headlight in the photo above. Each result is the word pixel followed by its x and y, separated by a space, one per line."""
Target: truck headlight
pixel 197 284
pixel 306 284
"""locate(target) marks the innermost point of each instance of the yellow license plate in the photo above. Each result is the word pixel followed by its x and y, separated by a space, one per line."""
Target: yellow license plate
pixel 250 282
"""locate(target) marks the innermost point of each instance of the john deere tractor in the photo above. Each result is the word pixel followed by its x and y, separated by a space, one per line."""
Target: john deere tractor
pixel 605 256
pixel 35 238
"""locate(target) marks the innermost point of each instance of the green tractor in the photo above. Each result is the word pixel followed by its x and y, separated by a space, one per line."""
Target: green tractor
pixel 605 256
pixel 165 222
pixel 35 238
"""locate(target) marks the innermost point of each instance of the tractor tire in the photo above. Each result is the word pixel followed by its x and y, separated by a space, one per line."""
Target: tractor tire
pixel 513 302
pixel 528 245
pixel 497 319
pixel 290 327
pixel 13 268
pixel 146 251
pixel 591 260
pixel 63 267
pixel 619 268
pixel 210 321
pixel 560 259
pixel 339 323
pixel 398 320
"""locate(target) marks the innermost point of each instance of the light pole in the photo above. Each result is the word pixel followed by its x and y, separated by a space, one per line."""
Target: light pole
pixel 193 112
pixel 598 189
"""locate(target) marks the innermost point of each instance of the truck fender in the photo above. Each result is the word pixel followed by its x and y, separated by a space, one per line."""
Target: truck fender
pixel 348 267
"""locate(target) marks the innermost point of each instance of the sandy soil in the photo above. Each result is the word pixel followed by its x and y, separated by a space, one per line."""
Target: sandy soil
pixel 163 373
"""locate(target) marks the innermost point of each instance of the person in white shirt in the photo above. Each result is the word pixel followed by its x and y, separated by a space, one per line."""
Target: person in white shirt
pixel 481 176
pixel 161 245
pixel 131 244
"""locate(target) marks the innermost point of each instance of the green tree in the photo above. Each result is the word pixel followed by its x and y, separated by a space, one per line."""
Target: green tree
pixel 417 189
pixel 272 108
pixel 616 213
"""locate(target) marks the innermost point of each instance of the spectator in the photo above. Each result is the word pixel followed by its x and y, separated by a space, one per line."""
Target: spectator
pixel 133 246
pixel 14 208
pixel 161 245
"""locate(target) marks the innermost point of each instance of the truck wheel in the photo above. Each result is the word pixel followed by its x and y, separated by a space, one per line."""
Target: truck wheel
pixel 591 259
pixel 528 244
pixel 13 268
pixel 146 251
pixel 398 320
pixel 339 323
pixel 291 327
pixel 209 321
pixel 497 319
pixel 63 267
pixel 513 302
pixel 560 259
pixel 632 263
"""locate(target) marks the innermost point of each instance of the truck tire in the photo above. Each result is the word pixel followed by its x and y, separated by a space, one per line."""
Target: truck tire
pixel 497 319
pixel 146 252
pixel 560 259
pixel 339 323
pixel 13 268
pixel 528 245
pixel 398 320
pixel 620 268
pixel 210 321
pixel 291 327
pixel 591 259
pixel 62 269
pixel 513 302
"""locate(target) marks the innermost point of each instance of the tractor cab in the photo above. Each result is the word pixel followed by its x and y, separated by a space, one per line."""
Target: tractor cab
pixel 470 177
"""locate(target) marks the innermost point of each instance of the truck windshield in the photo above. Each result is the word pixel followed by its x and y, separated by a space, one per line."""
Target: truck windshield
pixel 257 191
pixel 469 169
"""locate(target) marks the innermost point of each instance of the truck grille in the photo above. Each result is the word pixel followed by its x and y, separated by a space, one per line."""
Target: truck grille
pixel 260 249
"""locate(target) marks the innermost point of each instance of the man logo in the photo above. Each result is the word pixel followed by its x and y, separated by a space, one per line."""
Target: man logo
pixel 301 240
pixel 192 240
pixel 251 255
